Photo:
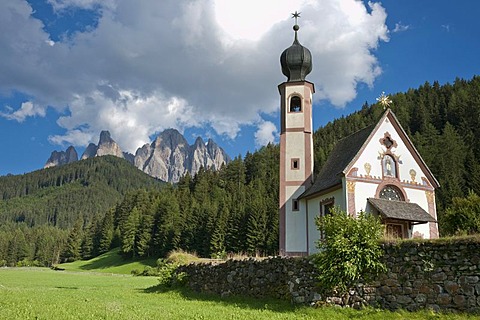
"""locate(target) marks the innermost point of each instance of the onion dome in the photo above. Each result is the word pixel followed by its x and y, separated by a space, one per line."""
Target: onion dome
pixel 296 61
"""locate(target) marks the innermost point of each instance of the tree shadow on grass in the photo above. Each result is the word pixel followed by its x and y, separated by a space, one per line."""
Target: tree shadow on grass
pixel 103 263
pixel 111 259
pixel 271 304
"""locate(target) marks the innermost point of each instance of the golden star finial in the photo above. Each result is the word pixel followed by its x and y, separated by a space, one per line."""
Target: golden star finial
pixel 384 100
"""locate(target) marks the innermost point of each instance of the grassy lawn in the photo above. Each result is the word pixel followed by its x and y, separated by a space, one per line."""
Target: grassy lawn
pixel 38 293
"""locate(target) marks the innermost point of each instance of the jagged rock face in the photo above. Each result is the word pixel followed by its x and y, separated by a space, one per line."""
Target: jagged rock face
pixel 218 155
pixel 106 146
pixel 129 157
pixel 199 156
pixel 141 156
pixel 58 158
pixel 71 154
pixel 168 157
pixel 90 151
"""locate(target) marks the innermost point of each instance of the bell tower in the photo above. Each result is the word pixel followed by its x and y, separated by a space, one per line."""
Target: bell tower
pixel 296 146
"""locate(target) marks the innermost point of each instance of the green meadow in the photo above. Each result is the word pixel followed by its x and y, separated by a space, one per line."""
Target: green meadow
pixel 102 288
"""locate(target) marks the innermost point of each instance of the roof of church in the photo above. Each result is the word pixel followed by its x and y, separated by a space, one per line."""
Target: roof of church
pixel 345 151
pixel 342 154
pixel 401 210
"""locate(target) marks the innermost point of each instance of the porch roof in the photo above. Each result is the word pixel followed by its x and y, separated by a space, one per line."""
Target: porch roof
pixel 401 210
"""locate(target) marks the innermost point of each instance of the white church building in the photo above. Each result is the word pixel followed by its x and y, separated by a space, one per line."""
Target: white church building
pixel 375 170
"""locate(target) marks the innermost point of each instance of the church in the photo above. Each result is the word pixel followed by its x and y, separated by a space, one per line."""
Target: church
pixel 375 170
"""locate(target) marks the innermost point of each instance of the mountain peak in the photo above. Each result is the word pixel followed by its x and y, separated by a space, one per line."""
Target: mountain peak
pixel 168 158
pixel 59 158
pixel 105 137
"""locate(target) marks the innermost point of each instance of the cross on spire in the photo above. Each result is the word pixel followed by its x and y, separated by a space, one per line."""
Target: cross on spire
pixel 296 15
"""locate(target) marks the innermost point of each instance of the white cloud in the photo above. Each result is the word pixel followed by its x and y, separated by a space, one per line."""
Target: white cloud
pixel 59 5
pixel 27 109
pixel 399 27
pixel 266 133
pixel 149 65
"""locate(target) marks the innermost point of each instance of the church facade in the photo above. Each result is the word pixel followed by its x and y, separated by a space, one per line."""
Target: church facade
pixel 375 170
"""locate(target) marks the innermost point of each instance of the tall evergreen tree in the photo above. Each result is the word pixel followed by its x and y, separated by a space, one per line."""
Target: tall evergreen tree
pixel 129 233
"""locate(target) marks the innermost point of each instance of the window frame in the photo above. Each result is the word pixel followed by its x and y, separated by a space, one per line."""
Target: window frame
pixel 295 164
pixel 291 105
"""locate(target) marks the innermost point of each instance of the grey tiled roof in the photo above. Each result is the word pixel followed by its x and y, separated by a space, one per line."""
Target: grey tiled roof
pixel 343 152
pixel 401 210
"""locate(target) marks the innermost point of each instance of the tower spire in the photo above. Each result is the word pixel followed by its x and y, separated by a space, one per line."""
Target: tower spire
pixel 296 15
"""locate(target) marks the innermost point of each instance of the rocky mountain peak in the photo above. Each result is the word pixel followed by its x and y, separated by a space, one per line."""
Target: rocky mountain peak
pixel 106 146
pixel 199 143
pixel 59 158
pixel 105 137
pixel 170 138
pixel 90 151
pixel 168 157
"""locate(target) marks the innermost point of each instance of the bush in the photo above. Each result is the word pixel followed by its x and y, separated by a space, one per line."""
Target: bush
pixel 169 277
pixel 135 272
pixel 29 263
pixel 349 251
pixel 463 216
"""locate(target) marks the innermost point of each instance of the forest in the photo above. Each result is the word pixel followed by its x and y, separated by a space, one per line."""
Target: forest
pixel 70 213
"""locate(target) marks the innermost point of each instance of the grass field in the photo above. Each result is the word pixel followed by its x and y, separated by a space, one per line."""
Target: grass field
pixel 38 293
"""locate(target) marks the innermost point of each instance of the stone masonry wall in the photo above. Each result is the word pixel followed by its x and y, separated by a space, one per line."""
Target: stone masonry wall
pixel 430 274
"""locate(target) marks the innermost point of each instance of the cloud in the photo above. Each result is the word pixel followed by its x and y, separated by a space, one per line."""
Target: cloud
pixel 27 109
pixel 399 27
pixel 149 65
pixel 266 133
pixel 59 5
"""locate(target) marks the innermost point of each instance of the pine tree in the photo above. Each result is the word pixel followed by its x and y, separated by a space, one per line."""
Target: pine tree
pixel 168 225
pixel 106 232
pixel 73 245
pixel 129 233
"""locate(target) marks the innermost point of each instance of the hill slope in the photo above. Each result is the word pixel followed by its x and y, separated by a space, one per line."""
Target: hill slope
pixel 58 196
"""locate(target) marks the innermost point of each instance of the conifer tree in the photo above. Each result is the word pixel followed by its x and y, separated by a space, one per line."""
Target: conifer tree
pixel 106 232
pixel 129 232
pixel 74 241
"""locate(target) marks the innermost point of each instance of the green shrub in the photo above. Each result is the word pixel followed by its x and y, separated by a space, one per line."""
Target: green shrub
pixel 219 255
pixel 169 277
pixel 135 272
pixel 29 263
pixel 462 217
pixel 349 251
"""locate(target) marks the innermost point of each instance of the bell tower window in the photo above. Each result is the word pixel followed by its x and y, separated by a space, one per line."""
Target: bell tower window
pixel 295 104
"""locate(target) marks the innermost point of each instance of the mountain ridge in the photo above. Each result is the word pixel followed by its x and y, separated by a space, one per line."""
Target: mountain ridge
pixel 168 157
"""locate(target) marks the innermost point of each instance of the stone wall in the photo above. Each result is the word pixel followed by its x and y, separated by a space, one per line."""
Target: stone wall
pixel 438 275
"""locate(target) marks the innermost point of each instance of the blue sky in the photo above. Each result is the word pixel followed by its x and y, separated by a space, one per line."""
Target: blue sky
pixel 210 68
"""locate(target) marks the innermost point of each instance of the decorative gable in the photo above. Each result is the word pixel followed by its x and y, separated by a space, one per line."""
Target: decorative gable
pixel 388 154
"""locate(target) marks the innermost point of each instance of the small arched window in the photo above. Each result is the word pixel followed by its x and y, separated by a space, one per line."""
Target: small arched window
pixel 295 104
